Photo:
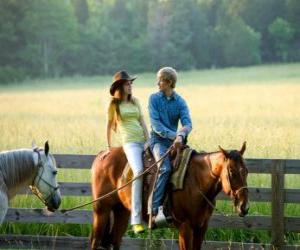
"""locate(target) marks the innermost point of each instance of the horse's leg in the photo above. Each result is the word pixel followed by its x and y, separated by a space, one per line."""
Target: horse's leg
pixel 199 233
pixel 185 236
pixel 121 218
pixel 100 238
pixel 3 206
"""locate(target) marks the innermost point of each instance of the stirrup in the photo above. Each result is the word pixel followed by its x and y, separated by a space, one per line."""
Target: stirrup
pixel 161 220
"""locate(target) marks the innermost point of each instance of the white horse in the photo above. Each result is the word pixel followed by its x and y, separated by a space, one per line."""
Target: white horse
pixel 35 168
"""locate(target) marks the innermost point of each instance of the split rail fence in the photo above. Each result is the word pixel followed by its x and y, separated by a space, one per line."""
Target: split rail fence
pixel 278 224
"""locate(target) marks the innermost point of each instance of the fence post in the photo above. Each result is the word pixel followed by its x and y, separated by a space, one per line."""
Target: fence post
pixel 278 168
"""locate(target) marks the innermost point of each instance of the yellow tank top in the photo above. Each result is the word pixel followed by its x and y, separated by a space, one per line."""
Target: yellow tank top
pixel 129 124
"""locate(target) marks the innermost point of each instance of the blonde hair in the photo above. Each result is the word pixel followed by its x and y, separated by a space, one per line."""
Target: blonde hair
pixel 168 74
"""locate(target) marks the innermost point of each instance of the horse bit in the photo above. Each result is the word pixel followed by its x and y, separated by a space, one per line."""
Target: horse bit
pixel 33 186
pixel 234 193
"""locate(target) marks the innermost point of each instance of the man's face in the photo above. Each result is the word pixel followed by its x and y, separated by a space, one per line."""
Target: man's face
pixel 163 85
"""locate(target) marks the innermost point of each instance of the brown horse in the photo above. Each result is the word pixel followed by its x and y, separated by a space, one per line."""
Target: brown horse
pixel 207 175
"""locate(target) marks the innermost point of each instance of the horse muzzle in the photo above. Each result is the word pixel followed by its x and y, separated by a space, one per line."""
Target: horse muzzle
pixel 243 209
pixel 53 203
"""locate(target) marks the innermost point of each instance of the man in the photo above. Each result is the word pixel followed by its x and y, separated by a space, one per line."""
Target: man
pixel 166 108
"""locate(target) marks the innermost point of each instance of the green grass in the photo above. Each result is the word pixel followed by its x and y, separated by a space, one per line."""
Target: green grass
pixel 259 105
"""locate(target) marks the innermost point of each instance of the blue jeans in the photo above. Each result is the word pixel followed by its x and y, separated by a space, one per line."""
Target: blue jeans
pixel 159 148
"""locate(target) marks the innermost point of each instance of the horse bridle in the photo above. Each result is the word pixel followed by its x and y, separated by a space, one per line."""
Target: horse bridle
pixel 233 193
pixel 33 186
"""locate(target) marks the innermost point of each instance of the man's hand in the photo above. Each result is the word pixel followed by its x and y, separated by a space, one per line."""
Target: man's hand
pixel 178 141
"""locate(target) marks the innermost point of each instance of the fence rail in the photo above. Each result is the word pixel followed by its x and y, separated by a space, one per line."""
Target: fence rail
pixel 261 166
pixel 277 223
pixel 255 194
pixel 74 243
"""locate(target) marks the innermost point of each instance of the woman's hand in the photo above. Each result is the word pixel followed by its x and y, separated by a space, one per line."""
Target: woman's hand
pixel 105 153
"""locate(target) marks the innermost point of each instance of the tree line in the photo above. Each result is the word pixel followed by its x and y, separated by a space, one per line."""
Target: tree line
pixel 52 38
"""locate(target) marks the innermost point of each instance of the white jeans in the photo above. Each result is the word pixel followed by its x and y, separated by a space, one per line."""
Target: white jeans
pixel 133 151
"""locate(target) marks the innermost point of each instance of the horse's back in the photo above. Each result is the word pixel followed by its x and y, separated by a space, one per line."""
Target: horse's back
pixel 115 158
pixel 107 170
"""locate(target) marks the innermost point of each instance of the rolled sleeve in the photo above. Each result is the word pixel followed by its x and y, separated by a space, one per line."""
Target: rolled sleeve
pixel 185 119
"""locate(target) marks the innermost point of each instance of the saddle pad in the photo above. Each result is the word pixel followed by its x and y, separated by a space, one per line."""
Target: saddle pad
pixel 177 177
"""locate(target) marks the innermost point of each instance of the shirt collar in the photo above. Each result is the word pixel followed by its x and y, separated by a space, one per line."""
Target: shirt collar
pixel 173 96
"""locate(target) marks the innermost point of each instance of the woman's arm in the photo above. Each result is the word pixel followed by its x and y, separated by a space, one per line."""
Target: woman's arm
pixel 109 129
pixel 141 119
pixel 143 124
pixel 109 124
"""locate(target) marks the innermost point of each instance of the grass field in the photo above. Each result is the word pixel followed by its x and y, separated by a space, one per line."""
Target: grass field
pixel 260 105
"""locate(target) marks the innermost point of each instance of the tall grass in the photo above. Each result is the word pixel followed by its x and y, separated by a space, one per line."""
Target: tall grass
pixel 259 105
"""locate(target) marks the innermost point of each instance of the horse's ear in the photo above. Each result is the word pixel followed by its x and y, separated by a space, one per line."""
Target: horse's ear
pixel 225 153
pixel 46 148
pixel 243 148
pixel 33 144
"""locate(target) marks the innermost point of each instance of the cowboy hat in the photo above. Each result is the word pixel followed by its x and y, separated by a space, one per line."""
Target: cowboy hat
pixel 118 79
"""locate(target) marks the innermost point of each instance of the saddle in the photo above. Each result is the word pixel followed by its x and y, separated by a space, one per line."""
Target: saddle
pixel 179 159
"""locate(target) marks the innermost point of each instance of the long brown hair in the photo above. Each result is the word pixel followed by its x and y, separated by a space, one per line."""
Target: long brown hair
pixel 116 101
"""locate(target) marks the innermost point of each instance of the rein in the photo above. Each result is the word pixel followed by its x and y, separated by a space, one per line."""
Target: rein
pixel 123 186
pixel 205 197
pixel 33 186
pixel 235 193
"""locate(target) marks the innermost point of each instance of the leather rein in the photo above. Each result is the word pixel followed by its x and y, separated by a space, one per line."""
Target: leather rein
pixel 38 178
pixel 233 193
pixel 123 186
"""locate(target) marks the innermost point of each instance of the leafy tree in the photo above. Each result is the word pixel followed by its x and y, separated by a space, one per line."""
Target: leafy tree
pixel 11 40
pixel 81 10
pixel 282 33
pixel 171 34
pixel 238 43
pixel 259 14
pixel 293 17
pixel 50 33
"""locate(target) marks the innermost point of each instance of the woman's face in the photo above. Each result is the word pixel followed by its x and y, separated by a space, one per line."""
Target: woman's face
pixel 163 85
pixel 127 87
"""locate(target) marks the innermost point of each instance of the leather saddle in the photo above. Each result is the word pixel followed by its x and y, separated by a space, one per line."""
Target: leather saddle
pixel 178 157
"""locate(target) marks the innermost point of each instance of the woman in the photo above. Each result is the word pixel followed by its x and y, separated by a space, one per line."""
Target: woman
pixel 125 112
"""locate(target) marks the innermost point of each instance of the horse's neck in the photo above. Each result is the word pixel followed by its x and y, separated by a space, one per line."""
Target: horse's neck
pixel 214 168
pixel 216 163
pixel 19 172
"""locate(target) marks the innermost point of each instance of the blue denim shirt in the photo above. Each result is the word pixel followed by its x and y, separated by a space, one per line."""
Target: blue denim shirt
pixel 165 114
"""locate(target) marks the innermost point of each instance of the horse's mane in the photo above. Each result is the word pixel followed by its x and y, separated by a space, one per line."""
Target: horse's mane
pixel 232 153
pixel 16 166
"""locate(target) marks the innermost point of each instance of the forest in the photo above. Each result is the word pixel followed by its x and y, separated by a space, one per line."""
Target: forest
pixel 55 38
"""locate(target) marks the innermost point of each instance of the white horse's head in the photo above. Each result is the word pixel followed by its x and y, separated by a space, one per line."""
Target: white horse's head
pixel 44 184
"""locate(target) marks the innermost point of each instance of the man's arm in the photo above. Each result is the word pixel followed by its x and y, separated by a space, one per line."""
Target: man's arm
pixel 156 123
pixel 185 120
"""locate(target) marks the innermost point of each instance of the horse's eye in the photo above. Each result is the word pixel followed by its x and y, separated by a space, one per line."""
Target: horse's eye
pixel 54 172
pixel 232 173
pixel 244 171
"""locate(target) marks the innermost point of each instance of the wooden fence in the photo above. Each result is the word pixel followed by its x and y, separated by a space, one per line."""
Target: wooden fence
pixel 277 223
